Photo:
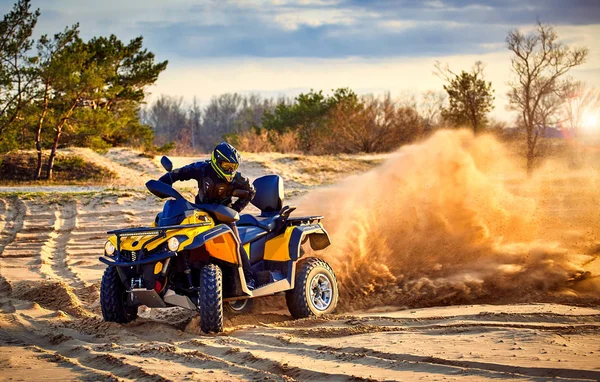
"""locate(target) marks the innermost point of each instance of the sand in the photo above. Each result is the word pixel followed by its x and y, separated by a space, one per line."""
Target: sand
pixel 51 327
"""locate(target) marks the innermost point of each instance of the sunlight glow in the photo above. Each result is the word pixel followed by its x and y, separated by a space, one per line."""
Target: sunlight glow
pixel 590 121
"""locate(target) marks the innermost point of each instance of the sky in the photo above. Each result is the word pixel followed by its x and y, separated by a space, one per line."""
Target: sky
pixel 284 47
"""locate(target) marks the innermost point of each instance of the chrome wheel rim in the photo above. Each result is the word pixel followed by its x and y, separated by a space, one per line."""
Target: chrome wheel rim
pixel 238 305
pixel 321 292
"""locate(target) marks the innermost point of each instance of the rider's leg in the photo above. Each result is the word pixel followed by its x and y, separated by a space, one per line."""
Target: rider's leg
pixel 248 274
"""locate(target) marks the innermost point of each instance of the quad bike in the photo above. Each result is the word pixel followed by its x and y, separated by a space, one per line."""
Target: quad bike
pixel 189 258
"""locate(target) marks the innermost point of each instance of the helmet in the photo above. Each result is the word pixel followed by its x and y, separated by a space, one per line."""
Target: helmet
pixel 225 160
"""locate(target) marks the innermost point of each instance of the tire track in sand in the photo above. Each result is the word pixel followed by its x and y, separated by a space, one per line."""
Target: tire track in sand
pixel 50 248
pixel 66 222
pixel 55 343
pixel 94 218
pixel 26 249
pixel 403 361
pixel 58 256
pixel 15 216
pixel 11 225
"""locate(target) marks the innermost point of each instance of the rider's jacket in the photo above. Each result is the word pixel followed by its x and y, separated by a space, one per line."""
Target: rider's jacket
pixel 211 188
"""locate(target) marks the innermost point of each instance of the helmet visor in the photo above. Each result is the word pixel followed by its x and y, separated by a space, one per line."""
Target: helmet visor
pixel 229 167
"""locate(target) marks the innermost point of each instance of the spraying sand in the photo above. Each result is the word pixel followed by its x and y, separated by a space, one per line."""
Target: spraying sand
pixel 454 220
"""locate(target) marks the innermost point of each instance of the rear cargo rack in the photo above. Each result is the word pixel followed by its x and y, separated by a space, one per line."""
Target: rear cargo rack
pixel 298 220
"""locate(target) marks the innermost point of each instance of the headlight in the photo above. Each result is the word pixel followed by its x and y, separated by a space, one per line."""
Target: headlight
pixel 109 248
pixel 173 244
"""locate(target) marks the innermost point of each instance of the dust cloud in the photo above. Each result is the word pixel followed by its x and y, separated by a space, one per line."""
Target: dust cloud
pixel 455 220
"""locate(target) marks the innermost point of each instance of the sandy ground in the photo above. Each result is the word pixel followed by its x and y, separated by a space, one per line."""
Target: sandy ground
pixel 51 327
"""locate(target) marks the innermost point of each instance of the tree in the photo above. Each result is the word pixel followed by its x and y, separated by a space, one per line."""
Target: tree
pixel 195 116
pixel 167 116
pixel 17 68
pixel 579 103
pixel 102 74
pixel 538 62
pixel 430 108
pixel 371 125
pixel 87 92
pixel 220 118
pixel 469 95
pixel 349 129
pixel 49 71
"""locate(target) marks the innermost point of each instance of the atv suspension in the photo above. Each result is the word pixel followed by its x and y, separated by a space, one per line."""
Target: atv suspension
pixel 188 273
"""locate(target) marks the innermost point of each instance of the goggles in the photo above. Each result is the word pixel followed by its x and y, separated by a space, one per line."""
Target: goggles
pixel 229 167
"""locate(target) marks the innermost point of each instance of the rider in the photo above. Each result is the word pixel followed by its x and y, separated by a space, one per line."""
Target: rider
pixel 217 179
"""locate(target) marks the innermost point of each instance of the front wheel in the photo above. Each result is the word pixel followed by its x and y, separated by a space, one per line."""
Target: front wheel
pixel 315 290
pixel 113 299
pixel 211 299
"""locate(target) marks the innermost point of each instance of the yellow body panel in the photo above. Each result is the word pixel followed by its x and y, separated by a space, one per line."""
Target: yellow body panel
pixel 277 249
pixel 190 233
pixel 247 249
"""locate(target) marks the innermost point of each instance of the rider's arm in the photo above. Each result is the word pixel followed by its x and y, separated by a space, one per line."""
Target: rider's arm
pixel 191 171
pixel 242 183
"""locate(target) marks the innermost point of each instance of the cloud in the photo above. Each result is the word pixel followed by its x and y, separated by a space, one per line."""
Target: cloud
pixel 273 76
pixel 288 46
pixel 506 12
pixel 311 28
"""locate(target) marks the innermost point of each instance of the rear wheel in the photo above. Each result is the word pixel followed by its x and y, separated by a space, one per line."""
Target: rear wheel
pixel 113 299
pixel 240 306
pixel 211 299
pixel 315 290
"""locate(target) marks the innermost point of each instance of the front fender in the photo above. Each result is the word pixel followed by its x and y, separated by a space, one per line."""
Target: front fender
pixel 220 242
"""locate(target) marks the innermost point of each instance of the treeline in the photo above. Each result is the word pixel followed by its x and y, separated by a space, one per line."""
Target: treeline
pixel 313 122
pixel 191 128
pixel 63 91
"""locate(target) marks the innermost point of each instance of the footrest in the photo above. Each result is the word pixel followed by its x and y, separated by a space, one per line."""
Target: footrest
pixel 268 277
pixel 276 276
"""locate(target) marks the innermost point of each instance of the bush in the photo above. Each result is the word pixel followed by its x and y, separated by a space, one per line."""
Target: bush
pixel 261 140
pixel 20 167
pixel 253 141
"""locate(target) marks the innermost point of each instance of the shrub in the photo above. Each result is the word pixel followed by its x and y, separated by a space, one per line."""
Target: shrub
pixel 20 167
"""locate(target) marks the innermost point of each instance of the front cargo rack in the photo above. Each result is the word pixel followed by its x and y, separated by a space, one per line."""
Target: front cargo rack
pixel 146 231
pixel 159 232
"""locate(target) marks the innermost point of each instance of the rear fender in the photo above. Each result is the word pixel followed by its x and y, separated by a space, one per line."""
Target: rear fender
pixel 318 237
pixel 286 246
pixel 315 233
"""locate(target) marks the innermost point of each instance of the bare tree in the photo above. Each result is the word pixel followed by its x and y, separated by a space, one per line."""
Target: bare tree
pixel 167 116
pixel 538 62
pixel 579 101
pixel 195 120
pixel 550 104
pixel 220 118
pixel 430 108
